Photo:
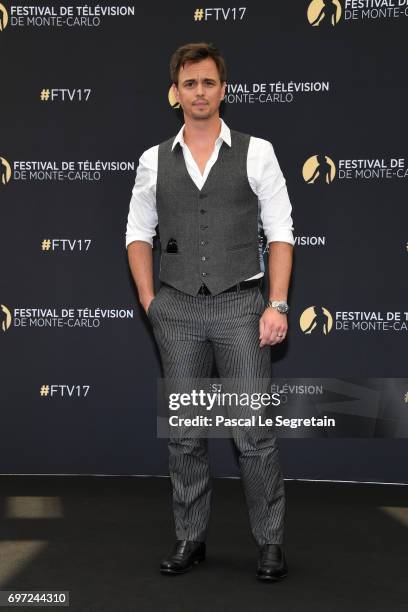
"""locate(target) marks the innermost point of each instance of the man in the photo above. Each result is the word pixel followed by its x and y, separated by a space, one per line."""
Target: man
pixel 209 189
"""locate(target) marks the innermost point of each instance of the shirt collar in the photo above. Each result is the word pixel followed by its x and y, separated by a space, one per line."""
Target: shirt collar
pixel 225 136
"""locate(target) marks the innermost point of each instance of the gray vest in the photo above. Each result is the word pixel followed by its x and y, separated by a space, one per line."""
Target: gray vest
pixel 210 236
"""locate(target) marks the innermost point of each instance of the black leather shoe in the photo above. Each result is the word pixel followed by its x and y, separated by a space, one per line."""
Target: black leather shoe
pixel 271 563
pixel 186 553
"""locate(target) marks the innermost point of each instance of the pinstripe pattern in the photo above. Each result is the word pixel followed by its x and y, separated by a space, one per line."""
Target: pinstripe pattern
pixel 191 332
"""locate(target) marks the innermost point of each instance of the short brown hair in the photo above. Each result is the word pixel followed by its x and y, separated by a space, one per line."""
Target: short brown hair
pixel 195 52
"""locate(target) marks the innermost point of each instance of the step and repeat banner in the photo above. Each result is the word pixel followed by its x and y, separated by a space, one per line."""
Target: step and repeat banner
pixel 85 89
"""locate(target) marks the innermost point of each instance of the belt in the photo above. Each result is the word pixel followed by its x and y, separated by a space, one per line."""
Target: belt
pixel 256 282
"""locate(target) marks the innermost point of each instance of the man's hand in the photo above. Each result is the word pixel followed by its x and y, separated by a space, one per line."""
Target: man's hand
pixel 273 327
pixel 145 302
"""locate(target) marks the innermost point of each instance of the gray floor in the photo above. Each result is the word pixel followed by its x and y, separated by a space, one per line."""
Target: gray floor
pixel 102 538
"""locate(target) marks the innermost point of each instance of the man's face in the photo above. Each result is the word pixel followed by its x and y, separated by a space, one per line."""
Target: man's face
pixel 199 89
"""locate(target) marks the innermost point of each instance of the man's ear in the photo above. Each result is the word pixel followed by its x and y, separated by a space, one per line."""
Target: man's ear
pixel 224 86
pixel 175 92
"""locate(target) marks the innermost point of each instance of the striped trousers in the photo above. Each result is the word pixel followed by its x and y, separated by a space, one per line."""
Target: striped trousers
pixel 191 332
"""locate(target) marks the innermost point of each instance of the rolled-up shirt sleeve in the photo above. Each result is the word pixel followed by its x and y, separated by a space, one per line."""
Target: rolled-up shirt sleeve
pixel 269 184
pixel 142 218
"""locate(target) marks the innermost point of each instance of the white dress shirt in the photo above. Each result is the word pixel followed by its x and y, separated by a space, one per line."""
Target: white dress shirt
pixel 264 176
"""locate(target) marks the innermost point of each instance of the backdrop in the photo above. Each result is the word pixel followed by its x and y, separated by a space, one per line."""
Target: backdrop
pixel 85 90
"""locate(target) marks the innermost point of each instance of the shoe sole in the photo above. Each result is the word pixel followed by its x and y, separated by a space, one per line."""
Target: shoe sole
pixel 171 572
pixel 271 578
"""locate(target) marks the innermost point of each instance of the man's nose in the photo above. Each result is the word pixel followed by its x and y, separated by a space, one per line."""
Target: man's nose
pixel 200 88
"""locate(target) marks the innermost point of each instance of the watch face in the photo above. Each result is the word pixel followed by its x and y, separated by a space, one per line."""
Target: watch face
pixel 282 308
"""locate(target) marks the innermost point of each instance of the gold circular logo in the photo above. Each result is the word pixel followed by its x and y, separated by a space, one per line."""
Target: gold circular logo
pixel 324 12
pixel 319 169
pixel 5 318
pixel 3 17
pixel 317 320
pixel 5 171
pixel 172 98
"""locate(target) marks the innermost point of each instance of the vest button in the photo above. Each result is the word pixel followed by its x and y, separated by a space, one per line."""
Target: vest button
pixel 203 227
pixel 204 273
pixel 204 258
pixel 202 196
pixel 202 211
pixel 203 242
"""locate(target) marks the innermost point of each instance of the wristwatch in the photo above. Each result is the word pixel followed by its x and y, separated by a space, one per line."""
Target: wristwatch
pixel 281 307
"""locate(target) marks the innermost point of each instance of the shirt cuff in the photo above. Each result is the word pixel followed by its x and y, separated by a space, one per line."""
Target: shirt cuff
pixel 145 238
pixel 281 235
